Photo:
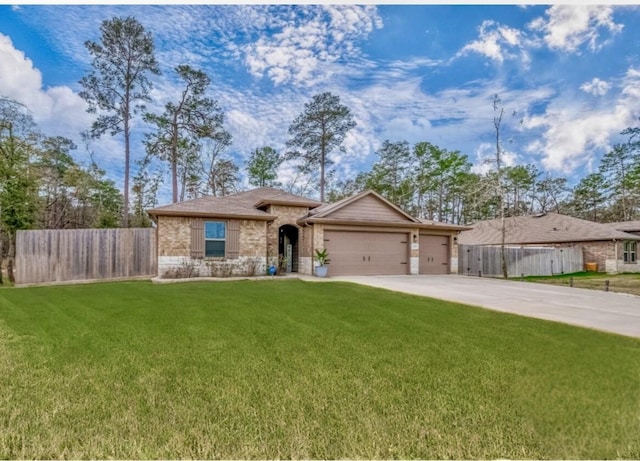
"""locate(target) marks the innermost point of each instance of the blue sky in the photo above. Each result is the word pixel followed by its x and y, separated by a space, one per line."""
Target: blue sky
pixel 568 75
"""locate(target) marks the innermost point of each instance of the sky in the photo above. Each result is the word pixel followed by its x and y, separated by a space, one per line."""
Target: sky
pixel 568 76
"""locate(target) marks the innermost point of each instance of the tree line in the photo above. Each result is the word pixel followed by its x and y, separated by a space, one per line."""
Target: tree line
pixel 41 186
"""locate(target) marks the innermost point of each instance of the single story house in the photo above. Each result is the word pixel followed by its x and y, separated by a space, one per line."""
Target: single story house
pixel 611 249
pixel 245 233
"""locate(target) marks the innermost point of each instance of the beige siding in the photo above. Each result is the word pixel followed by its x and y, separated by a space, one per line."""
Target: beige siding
pixel 368 208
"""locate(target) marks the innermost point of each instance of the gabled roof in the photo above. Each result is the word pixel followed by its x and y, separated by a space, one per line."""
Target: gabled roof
pixel 540 229
pixel 327 209
pixel 369 208
pixel 243 205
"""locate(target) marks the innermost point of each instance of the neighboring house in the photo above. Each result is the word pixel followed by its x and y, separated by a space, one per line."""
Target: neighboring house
pixel 244 233
pixel 630 247
pixel 632 227
pixel 613 250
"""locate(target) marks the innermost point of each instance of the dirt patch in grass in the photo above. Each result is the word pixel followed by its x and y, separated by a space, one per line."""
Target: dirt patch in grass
pixel 621 283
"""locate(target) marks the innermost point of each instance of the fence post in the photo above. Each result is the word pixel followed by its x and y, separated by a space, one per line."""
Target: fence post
pixel 571 281
pixel 606 285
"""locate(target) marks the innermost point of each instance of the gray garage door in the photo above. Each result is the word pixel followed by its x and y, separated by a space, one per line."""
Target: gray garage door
pixel 367 253
pixel 434 254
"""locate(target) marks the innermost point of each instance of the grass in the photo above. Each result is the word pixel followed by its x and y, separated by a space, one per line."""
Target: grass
pixel 291 369
pixel 622 283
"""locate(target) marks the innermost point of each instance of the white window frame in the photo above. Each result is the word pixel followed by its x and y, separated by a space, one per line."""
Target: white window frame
pixel 630 252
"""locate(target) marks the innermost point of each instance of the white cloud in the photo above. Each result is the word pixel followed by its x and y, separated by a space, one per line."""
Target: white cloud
pixel 574 137
pixel 498 43
pixel 307 41
pixel 567 27
pixel 596 87
pixel 485 158
pixel 57 110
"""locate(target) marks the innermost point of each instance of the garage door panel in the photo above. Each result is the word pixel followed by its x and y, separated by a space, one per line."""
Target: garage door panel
pixel 367 253
pixel 434 254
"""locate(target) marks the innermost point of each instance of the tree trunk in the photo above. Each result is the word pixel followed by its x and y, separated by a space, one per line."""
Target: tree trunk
pixel 127 157
pixel 10 258
pixel 322 159
pixel 1 260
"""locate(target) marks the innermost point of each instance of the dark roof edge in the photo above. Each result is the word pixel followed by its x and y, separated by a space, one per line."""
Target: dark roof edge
pixel 398 224
pixel 197 214
pixel 308 203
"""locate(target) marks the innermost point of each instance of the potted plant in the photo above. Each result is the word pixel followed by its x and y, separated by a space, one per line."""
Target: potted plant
pixel 322 258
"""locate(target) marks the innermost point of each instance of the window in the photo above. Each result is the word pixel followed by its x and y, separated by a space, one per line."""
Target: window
pixel 630 251
pixel 214 239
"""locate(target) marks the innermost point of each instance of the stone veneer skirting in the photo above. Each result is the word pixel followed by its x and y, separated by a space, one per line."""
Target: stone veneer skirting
pixel 184 266
pixel 305 265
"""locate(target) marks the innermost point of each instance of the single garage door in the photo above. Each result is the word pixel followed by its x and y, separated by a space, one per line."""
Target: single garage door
pixel 434 254
pixel 367 253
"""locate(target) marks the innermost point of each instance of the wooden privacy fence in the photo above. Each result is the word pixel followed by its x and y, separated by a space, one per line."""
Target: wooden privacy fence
pixel 84 254
pixel 486 260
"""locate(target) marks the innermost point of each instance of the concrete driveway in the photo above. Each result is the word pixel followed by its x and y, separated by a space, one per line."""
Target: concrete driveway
pixel 607 311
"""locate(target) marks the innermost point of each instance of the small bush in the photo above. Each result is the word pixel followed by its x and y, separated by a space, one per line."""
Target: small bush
pixel 187 270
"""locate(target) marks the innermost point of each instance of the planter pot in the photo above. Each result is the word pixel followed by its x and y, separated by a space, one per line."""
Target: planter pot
pixel 321 271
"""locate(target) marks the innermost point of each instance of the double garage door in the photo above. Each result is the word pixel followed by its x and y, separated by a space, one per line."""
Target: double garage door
pixel 383 253
pixel 367 253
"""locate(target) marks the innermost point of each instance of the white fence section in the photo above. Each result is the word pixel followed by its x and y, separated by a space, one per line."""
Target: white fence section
pixel 479 260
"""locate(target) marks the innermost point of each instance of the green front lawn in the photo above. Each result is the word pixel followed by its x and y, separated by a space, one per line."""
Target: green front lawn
pixel 293 369
pixel 621 283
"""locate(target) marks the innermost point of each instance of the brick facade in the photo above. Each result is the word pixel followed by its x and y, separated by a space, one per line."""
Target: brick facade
pixel 258 244
pixel 284 215
pixel 174 250
pixel 602 253
pixel 174 236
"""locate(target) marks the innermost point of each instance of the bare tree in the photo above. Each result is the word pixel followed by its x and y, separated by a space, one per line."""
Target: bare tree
pixel 183 125
pixel 497 124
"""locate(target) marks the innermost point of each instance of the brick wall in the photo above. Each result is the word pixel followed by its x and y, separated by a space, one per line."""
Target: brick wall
pixel 602 253
pixel 174 250
pixel 174 236
pixel 253 240
pixel 284 215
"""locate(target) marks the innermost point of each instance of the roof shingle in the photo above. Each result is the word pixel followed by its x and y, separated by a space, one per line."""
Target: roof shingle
pixel 243 204
pixel 540 229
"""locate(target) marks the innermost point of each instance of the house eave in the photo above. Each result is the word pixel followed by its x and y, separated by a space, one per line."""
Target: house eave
pixel 176 214
pixel 394 224
pixel 310 204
